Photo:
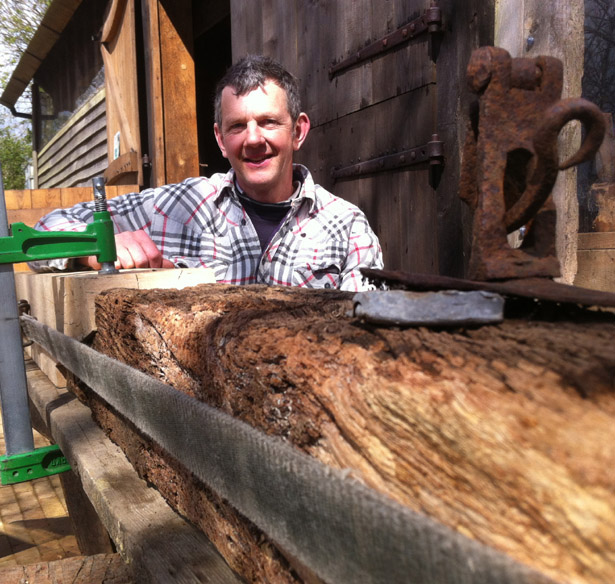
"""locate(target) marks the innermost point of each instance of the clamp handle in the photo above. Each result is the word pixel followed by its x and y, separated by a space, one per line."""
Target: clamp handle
pixel 26 244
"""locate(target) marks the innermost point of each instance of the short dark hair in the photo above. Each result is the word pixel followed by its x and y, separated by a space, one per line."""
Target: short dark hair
pixel 254 71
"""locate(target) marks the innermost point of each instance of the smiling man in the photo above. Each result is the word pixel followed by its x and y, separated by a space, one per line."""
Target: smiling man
pixel 265 221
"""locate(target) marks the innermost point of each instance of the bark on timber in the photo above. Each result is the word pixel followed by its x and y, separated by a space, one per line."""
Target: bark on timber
pixel 504 432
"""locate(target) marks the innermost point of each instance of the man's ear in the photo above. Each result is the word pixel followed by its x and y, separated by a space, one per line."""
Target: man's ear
pixel 218 134
pixel 302 127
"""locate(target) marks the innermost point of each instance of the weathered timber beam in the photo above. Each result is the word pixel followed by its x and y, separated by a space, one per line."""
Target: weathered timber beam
pixel 335 525
pixel 501 432
pixel 96 569
pixel 65 300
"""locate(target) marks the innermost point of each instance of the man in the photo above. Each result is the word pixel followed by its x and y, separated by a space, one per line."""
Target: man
pixel 265 221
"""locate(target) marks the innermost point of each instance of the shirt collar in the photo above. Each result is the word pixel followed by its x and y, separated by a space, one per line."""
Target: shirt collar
pixel 305 192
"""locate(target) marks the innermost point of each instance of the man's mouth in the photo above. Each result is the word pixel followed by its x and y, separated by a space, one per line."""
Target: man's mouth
pixel 257 161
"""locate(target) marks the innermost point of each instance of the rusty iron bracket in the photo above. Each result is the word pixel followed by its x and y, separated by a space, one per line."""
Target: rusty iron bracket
pixel 432 153
pixel 430 21
pixel 510 160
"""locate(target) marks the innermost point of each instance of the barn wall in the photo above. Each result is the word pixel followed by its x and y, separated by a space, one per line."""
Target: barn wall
pixel 384 105
pixel 75 59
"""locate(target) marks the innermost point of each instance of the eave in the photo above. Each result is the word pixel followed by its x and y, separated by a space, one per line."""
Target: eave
pixel 56 18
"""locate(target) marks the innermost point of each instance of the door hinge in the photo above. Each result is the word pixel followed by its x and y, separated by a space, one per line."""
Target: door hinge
pixel 432 153
pixel 430 21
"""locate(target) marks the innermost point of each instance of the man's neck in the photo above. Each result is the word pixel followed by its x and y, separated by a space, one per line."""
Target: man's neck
pixel 268 196
pixel 278 195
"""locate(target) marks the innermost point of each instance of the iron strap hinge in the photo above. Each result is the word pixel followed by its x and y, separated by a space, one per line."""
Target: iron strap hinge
pixel 432 152
pixel 430 21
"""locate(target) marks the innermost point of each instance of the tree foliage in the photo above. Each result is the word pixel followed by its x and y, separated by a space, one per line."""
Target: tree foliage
pixel 19 20
pixel 15 153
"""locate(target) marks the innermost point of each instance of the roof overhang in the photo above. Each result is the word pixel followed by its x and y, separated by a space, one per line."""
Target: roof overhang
pixel 56 18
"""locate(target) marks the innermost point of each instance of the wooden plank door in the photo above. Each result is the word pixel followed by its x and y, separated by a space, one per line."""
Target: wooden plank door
pixel 119 50
pixel 384 105
pixel 170 90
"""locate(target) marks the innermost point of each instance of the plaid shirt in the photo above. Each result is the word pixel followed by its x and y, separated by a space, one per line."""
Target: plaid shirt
pixel 322 243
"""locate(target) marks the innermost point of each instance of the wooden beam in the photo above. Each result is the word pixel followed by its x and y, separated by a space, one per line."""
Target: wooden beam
pixel 171 95
pixel 596 261
pixel 96 569
pixel 155 104
pixel 179 91
pixel 119 53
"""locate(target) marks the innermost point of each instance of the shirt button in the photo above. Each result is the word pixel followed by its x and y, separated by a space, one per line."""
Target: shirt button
pixel 303 235
pixel 327 285
pixel 243 221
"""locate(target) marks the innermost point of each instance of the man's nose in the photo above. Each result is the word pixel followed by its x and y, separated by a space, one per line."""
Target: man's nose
pixel 254 134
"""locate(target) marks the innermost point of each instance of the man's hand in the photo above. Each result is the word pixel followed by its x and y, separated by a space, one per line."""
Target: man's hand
pixel 135 249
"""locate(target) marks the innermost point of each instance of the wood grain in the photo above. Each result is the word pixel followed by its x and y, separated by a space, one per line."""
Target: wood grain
pixel 400 204
pixel 155 104
pixel 120 58
pixel 95 569
pixel 177 88
pixel 65 301
pixel 18 199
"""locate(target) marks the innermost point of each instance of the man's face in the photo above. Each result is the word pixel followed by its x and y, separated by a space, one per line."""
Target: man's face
pixel 259 137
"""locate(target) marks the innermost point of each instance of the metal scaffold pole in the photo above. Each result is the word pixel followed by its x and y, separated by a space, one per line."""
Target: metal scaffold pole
pixel 13 385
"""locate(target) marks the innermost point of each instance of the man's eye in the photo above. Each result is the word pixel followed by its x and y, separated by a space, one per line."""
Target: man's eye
pixel 270 123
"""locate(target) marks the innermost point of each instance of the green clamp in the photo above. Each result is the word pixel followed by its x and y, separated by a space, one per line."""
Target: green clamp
pixel 42 462
pixel 26 244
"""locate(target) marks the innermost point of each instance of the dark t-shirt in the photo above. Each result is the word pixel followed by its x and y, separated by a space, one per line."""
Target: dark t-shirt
pixel 266 217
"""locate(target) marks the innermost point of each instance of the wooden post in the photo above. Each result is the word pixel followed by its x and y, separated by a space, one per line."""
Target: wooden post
pixel 36 132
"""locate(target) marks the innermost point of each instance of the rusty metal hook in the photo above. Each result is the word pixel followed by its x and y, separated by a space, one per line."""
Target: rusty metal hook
pixel 563 112
pixel 545 148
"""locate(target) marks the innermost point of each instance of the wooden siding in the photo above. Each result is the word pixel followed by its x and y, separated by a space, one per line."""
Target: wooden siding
pixel 78 152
